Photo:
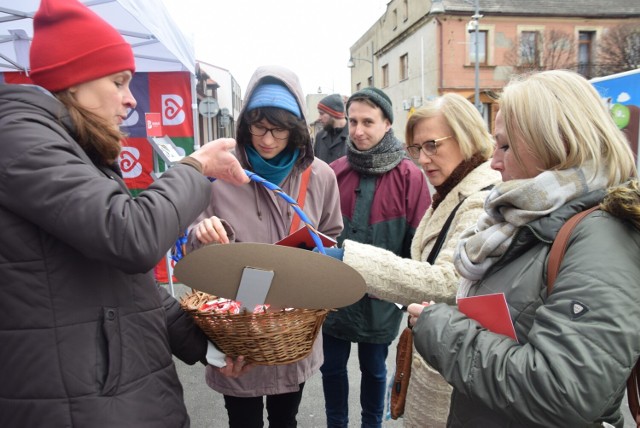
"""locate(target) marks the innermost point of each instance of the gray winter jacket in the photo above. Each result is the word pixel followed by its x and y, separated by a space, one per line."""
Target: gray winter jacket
pixel 86 336
pixel 576 346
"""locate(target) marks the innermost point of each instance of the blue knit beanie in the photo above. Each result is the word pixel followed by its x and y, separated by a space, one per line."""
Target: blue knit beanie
pixel 274 95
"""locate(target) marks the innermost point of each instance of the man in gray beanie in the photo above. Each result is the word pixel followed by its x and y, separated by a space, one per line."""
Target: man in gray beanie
pixel 383 196
pixel 377 97
pixel 330 142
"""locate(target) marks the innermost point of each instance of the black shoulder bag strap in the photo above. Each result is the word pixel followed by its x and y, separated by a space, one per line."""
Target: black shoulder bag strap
pixel 445 229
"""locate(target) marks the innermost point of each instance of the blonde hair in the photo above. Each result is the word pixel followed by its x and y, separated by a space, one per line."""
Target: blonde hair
pixel 467 125
pixel 565 124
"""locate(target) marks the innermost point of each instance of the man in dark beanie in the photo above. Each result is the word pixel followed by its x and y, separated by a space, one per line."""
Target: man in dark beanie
pixel 383 196
pixel 331 141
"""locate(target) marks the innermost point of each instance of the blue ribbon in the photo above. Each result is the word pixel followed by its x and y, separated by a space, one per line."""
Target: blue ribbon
pixel 294 204
pixel 178 252
pixel 179 248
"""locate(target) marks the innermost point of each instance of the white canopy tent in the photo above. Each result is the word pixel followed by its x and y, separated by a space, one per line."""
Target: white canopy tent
pixel 158 44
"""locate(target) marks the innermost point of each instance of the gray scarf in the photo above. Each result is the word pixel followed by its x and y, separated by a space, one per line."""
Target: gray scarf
pixel 381 158
pixel 511 205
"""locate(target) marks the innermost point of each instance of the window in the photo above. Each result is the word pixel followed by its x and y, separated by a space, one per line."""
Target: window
pixel 405 10
pixel 358 86
pixel 404 67
pixel 395 19
pixel 385 75
pixel 482 47
pixel 529 53
pixel 585 52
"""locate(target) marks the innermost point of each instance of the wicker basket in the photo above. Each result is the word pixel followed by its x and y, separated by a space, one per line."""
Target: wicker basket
pixel 271 338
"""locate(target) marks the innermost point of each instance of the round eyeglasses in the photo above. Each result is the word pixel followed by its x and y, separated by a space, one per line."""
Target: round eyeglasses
pixel 261 131
pixel 429 147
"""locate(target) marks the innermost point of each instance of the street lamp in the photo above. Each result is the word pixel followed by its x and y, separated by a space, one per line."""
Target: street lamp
pixel 474 26
pixel 351 63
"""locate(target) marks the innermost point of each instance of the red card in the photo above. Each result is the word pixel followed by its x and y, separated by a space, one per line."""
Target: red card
pixel 490 311
pixel 301 238
pixel 153 123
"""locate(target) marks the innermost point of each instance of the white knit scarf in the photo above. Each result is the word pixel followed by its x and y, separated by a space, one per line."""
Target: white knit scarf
pixel 511 205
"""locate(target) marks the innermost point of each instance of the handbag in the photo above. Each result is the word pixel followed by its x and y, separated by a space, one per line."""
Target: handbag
pixel 404 351
pixel 403 372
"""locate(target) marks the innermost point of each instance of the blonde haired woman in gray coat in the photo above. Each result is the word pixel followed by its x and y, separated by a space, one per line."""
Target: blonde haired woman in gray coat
pixel 558 151
pixel 450 141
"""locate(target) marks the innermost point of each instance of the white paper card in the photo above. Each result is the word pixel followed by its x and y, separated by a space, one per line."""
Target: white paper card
pixel 254 287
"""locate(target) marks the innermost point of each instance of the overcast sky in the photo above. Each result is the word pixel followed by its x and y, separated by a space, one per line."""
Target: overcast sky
pixel 310 38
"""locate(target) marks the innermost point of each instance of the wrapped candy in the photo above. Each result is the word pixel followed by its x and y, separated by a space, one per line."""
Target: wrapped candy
pixel 220 306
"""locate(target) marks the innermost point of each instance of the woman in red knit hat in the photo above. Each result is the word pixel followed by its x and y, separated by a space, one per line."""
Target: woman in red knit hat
pixel 87 336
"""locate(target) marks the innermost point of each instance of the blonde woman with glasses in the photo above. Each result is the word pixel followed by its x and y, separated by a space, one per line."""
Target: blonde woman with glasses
pixel 449 140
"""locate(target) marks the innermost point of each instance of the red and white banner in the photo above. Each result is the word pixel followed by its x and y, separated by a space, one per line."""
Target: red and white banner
pixel 167 93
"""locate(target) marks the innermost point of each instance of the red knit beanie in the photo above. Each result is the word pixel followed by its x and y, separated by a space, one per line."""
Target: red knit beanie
pixel 71 44
pixel 332 105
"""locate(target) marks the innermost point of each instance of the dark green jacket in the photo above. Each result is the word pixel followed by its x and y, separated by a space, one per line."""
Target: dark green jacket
pixel 383 211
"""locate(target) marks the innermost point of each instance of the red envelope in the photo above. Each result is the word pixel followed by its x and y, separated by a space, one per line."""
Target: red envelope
pixel 490 311
pixel 301 238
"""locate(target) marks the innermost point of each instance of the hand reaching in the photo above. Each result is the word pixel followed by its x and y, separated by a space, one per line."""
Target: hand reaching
pixel 211 231
pixel 415 310
pixel 218 161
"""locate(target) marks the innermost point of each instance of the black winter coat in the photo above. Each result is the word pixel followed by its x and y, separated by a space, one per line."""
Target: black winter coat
pixel 86 336
pixel 330 147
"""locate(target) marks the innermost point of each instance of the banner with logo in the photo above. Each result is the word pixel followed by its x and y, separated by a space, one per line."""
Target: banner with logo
pixel 167 93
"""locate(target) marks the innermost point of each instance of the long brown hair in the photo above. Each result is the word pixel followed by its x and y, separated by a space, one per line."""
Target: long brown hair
pixel 97 137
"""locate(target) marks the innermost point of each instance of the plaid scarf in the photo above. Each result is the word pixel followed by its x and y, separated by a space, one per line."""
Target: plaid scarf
pixel 511 205
pixel 381 158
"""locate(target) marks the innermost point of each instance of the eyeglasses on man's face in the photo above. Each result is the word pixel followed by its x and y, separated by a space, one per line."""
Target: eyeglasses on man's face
pixel 429 147
pixel 260 131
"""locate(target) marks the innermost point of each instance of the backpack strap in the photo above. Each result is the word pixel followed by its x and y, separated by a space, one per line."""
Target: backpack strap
pixel 558 248
pixel 302 195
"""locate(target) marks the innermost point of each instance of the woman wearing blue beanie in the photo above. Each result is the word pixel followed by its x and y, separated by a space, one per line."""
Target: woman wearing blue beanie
pixel 273 140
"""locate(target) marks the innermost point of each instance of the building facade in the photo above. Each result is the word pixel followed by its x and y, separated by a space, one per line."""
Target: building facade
pixel 420 49
pixel 217 83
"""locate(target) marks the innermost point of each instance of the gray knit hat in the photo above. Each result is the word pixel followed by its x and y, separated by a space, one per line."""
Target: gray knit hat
pixel 332 105
pixel 378 97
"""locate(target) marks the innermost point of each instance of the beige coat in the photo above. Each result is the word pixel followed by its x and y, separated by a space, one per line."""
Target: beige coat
pixel 413 280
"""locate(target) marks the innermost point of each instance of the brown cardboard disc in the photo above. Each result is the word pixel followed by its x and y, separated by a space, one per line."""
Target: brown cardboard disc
pixel 302 278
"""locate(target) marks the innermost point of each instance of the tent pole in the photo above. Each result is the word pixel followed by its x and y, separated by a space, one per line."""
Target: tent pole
pixel 194 113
